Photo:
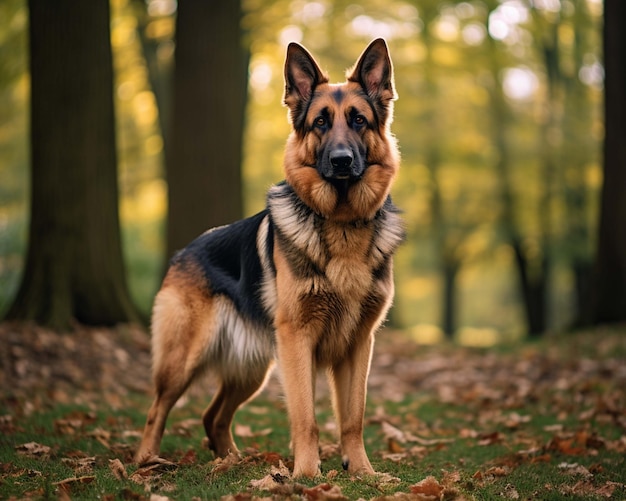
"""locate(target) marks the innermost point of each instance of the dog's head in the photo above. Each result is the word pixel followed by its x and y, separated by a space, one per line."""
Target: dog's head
pixel 341 157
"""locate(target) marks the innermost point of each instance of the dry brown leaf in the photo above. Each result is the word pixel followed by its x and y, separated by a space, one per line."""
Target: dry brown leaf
pixel 496 471
pixel 490 438
pixel 158 497
pixel 117 468
pixel 393 446
pixel 392 433
pixel 277 477
pixel 245 431
pixel 80 465
pixel 67 484
pixel 267 483
pixel 280 473
pixel 157 466
pixel 395 457
pixel 608 488
pixel 101 435
pixel 190 457
pixel 155 461
pixel 224 464
pixel 429 488
pixel 510 492
pixel 324 492
pixel 33 450
pixel 332 474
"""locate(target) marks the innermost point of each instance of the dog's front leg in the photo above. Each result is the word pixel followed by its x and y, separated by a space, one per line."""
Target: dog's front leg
pixel 296 358
pixel 349 384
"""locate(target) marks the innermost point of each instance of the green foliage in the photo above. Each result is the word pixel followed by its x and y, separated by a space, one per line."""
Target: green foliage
pixel 452 59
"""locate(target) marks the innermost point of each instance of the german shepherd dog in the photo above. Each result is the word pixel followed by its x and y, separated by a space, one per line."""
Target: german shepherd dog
pixel 305 282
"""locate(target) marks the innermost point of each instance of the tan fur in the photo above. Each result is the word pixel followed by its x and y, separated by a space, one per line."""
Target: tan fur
pixel 326 285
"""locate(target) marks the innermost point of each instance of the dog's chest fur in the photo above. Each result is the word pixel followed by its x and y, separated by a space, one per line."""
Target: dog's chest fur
pixel 340 273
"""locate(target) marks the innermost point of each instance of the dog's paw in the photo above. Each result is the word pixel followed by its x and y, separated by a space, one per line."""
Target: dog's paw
pixel 309 470
pixel 154 460
pixel 362 467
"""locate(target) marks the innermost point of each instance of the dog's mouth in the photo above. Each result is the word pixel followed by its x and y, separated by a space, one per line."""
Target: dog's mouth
pixel 342 178
pixel 342 184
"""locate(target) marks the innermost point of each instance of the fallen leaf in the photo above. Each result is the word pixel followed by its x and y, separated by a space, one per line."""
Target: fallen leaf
pixel 224 464
pixel 575 469
pixel 271 457
pixel 280 472
pixel 66 486
pixel 490 438
pixel 158 497
pixel 393 446
pixel 158 465
pixel 429 488
pixel 267 483
pixel 392 433
pixel 80 465
pixel 324 492
pixel 510 492
pixel 101 435
pixel 155 461
pixel 608 488
pixel 245 431
pixel 190 457
pixel 565 445
pixel 33 450
pixel 117 468
pixel 395 457
pixel 496 471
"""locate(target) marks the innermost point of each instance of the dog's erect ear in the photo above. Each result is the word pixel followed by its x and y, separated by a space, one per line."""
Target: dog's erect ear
pixel 374 72
pixel 302 75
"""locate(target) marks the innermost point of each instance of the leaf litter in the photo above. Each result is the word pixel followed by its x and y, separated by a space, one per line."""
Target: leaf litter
pixel 574 388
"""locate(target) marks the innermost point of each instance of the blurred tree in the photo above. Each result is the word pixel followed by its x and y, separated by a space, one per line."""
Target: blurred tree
pixel 577 152
pixel 74 267
pixel 609 287
pixel 447 240
pixel 156 38
pixel 204 146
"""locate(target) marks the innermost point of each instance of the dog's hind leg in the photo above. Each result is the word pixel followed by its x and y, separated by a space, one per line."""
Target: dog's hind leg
pixel 218 416
pixel 157 416
pixel 177 350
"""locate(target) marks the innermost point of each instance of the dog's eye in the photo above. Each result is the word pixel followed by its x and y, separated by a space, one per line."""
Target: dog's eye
pixel 320 121
pixel 359 120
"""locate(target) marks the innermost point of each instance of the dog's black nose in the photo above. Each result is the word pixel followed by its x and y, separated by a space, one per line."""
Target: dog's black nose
pixel 341 159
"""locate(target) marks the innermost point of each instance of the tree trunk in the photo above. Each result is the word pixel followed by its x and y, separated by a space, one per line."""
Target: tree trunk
pixel 534 289
pixel 609 288
pixel 74 267
pixel 449 321
pixel 205 140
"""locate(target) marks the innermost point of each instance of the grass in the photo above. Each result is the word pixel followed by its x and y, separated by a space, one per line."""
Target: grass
pixel 566 441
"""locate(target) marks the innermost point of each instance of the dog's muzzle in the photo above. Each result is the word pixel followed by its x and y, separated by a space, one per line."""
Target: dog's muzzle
pixel 342 164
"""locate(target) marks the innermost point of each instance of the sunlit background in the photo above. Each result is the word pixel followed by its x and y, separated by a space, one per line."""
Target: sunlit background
pixel 499 123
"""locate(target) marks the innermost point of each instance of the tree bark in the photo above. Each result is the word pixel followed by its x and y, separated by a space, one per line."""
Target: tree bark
pixel 449 297
pixel 203 160
pixel 74 268
pixel 609 287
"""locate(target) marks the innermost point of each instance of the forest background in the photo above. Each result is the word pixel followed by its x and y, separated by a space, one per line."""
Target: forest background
pixel 499 121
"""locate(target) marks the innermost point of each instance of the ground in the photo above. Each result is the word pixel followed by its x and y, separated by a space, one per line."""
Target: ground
pixel 444 422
